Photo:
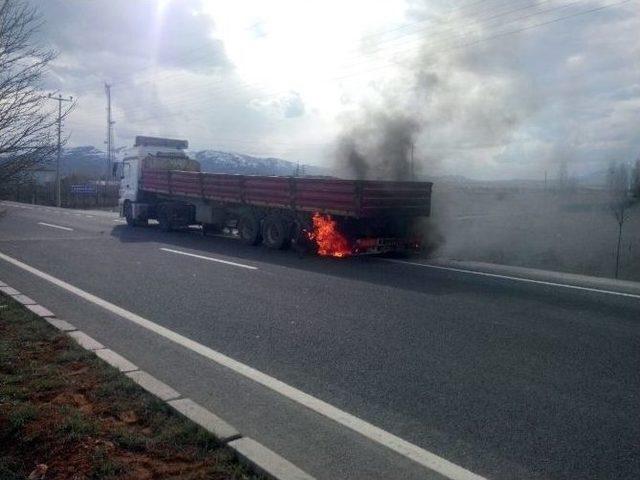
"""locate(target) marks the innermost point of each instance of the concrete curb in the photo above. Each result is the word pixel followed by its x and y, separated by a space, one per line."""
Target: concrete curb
pixel 61 325
pixel 40 310
pixel 265 461
pixel 24 300
pixel 152 385
pixel 85 341
pixel 116 360
pixel 207 420
pixel 9 291
pixel 251 453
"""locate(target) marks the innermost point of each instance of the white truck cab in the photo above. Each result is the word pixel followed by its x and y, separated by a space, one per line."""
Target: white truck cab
pixel 152 153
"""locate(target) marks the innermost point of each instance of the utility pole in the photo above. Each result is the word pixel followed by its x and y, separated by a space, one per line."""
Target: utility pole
pixel 110 123
pixel 59 99
pixel 413 175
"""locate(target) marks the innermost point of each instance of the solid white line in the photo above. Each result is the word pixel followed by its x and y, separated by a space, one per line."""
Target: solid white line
pixel 55 226
pixel 211 259
pixel 517 279
pixel 373 433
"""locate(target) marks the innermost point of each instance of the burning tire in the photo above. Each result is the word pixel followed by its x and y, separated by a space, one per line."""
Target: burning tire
pixel 276 232
pixel 249 229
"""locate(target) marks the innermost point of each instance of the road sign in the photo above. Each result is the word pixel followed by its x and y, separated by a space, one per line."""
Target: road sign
pixel 83 189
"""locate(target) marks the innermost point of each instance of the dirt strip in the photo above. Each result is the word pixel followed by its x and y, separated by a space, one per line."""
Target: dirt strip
pixel 66 414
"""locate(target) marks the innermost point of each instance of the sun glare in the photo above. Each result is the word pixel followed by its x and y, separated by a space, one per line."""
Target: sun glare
pixel 297 46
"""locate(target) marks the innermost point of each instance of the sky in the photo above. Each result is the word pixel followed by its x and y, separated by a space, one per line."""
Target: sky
pixel 491 89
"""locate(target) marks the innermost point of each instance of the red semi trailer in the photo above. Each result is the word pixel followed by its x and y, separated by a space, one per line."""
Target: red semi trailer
pixel 332 216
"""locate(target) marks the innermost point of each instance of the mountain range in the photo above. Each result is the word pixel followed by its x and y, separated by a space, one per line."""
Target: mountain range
pixel 89 161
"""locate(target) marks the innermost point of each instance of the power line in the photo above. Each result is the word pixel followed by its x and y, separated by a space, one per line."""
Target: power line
pixel 239 86
pixel 479 21
pixel 510 32
pixel 202 48
pixel 179 99
pixel 387 64
pixel 172 75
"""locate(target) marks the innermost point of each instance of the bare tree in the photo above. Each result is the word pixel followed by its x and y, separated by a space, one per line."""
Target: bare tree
pixel 27 121
pixel 620 200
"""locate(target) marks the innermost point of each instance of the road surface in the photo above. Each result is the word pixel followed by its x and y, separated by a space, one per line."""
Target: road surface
pixel 504 379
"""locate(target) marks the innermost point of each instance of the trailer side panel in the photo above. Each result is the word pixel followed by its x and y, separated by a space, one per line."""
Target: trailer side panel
pixel 350 198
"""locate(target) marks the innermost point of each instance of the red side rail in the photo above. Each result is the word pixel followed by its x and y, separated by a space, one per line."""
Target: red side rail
pixel 352 198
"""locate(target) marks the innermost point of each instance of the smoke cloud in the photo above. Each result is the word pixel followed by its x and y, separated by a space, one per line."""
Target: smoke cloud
pixel 447 104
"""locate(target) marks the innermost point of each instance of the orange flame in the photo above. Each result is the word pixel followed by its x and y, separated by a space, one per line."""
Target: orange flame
pixel 328 238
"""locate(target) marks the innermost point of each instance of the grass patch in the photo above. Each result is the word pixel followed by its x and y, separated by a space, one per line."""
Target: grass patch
pixel 75 425
pixel 63 407
pixel 18 416
pixel 104 467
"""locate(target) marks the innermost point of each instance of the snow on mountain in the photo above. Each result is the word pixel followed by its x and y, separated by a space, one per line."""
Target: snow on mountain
pixel 92 162
pixel 228 162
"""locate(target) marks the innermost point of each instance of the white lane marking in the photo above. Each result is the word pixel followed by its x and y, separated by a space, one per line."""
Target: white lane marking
pixel 119 220
pixel 56 226
pixel 211 259
pixel 89 216
pixel 517 279
pixel 373 433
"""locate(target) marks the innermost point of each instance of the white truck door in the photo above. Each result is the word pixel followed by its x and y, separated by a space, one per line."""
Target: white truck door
pixel 129 181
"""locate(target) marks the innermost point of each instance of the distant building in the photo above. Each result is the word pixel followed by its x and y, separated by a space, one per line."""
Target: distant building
pixel 43 175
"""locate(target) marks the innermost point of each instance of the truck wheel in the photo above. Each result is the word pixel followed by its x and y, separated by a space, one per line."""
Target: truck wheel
pixel 275 232
pixel 128 215
pixel 211 229
pixel 249 230
pixel 131 221
pixel 163 220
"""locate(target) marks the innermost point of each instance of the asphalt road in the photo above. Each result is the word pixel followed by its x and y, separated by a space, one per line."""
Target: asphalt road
pixel 507 379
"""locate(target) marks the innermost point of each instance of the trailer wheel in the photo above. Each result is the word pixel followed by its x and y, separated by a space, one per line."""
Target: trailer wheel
pixel 164 221
pixel 249 229
pixel 300 239
pixel 276 232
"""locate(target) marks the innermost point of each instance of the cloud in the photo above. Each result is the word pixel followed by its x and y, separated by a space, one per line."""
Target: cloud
pixel 289 105
pixel 114 39
pixel 470 104
pixel 293 106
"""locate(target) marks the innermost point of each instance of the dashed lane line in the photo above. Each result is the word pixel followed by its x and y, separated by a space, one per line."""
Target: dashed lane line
pixel 210 259
pixel 60 227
